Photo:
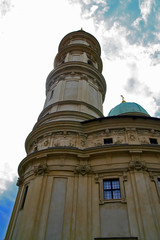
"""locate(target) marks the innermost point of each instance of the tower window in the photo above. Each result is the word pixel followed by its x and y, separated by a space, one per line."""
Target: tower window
pixel 24 197
pixel 159 182
pixel 51 94
pixel 108 141
pixel 90 62
pixel 111 188
pixel 153 141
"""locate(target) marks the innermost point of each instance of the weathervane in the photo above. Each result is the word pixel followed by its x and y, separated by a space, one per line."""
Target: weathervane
pixel 122 99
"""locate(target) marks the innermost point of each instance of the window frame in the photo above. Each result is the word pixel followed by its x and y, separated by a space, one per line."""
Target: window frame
pixel 151 140
pixel 157 183
pixel 110 141
pixel 24 196
pixel 51 94
pixel 122 178
pixel 112 189
pixel 156 179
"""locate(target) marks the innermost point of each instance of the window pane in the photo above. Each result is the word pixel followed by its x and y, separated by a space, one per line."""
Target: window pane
pixel 116 194
pixel 108 141
pixel 111 189
pixel 159 182
pixel 24 197
pixel 107 185
pixel 153 141
pixel 115 184
pixel 107 195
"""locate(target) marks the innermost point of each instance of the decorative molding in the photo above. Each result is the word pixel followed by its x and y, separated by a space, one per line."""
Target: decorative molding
pixel 125 176
pixel 83 169
pixel 137 165
pixel 152 176
pixel 46 143
pixel 41 169
pixel 20 181
pixel 96 178
pixel 143 140
pixel 119 131
pixel 119 140
pixel 96 138
pixel 61 77
pixel 64 140
pixel 84 77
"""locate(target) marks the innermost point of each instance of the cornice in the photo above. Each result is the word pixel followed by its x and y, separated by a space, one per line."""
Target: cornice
pixel 82 34
pixel 71 114
pixel 122 122
pixel 79 47
pixel 88 153
pixel 122 117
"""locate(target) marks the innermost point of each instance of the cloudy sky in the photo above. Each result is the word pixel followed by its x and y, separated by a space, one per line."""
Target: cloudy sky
pixel 30 31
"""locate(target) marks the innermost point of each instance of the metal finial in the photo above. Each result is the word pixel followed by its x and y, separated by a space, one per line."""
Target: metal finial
pixel 122 99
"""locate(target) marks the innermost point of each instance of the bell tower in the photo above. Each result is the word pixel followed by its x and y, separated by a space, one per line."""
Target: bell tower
pixel 50 177
pixel 75 88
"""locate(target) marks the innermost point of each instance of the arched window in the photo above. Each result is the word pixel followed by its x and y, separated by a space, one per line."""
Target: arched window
pixel 51 94
pixel 90 62
pixel 24 197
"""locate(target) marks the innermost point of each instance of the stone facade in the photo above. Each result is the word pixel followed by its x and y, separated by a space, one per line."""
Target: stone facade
pixel 73 150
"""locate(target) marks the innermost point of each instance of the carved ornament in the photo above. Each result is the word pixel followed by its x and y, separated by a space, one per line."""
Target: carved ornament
pixel 61 77
pixel 137 165
pixel 144 140
pixel 132 136
pixel 152 175
pixel 84 77
pixel 46 142
pixel 41 169
pixel 83 169
pixel 119 140
pixel 20 181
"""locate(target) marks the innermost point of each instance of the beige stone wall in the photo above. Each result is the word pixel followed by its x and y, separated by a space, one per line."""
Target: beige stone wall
pixel 65 195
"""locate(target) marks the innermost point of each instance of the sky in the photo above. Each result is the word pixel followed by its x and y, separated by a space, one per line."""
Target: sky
pixel 30 32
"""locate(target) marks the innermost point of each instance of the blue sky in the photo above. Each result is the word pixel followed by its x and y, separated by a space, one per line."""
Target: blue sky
pixel 30 31
pixel 7 199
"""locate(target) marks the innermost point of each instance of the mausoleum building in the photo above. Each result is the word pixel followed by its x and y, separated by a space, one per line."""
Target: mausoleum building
pixel 87 176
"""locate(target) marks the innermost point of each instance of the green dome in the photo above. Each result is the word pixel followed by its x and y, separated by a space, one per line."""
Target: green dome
pixel 128 108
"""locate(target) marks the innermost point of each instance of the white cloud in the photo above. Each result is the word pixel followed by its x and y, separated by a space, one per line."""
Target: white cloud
pixel 5 6
pixel 7 175
pixel 132 65
pixel 89 12
pixel 136 23
pixel 88 9
pixel 145 8
pixel 86 1
pixel 103 2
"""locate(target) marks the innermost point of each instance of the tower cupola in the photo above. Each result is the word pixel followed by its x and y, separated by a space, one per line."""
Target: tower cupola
pixel 75 88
